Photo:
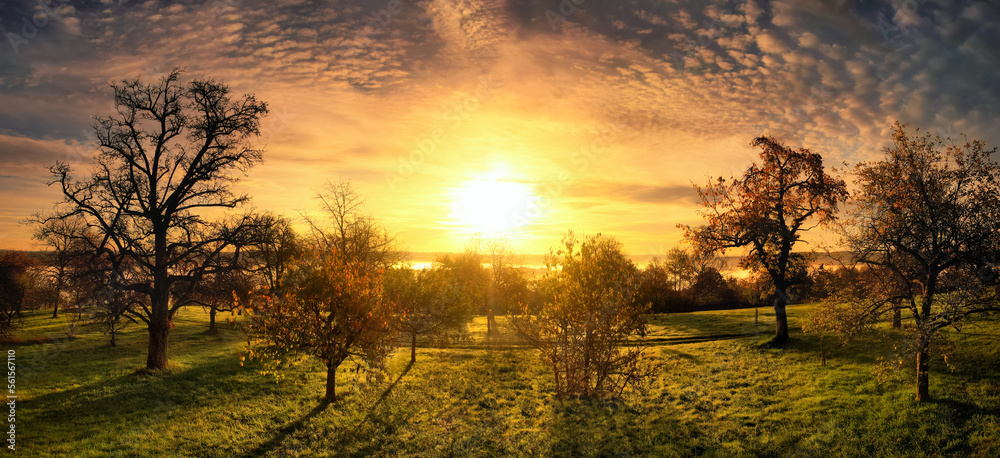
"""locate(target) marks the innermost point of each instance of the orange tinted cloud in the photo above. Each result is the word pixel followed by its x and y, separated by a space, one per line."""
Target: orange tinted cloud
pixel 606 113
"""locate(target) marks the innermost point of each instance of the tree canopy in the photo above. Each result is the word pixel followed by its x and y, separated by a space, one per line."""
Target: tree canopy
pixel 168 155
pixel 766 211
pixel 926 225
pixel 587 318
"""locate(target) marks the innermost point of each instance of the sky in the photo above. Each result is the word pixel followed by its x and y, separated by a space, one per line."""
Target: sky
pixel 521 117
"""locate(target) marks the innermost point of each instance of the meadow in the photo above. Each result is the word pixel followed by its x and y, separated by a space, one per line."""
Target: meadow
pixel 717 394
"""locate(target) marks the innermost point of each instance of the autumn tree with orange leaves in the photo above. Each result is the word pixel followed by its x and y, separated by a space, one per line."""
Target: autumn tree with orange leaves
pixel 925 225
pixel 332 310
pixel 332 306
pixel 766 211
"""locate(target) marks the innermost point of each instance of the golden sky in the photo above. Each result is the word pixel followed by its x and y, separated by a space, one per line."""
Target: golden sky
pixel 525 117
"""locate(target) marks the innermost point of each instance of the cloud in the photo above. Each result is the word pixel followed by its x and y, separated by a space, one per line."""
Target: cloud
pixel 633 193
pixel 682 85
pixel 772 43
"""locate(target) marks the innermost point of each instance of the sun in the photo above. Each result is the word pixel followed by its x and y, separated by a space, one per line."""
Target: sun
pixel 492 203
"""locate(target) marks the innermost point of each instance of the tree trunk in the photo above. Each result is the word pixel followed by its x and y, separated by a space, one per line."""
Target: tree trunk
pixel 331 383
pixel 923 373
pixel 59 287
pixel 924 340
pixel 897 317
pixel 159 330
pixel 159 320
pixel 780 319
pixel 489 320
pixel 555 371
pixel 156 359
pixel 211 321
pixel 413 348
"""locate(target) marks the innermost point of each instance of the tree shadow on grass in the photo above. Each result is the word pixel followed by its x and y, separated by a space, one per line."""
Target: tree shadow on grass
pixel 121 408
pixel 704 326
pixel 133 391
pixel 290 429
pixel 962 411
pixel 286 431
pixel 389 389
pixel 865 350
pixel 582 427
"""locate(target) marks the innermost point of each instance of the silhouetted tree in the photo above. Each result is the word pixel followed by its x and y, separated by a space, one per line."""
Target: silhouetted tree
pixel 682 266
pixel 112 310
pixel 766 211
pixel 345 227
pixel 275 255
pixel 656 287
pixel 466 270
pixel 222 292
pixel 711 291
pixel 14 286
pixel 169 152
pixel 63 236
pixel 502 261
pixel 756 290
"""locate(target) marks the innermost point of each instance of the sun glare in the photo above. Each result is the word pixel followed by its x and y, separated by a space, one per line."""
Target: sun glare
pixel 490 204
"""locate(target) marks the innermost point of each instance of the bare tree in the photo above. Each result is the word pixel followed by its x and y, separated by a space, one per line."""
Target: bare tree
pixel 680 265
pixel 111 310
pixel 349 230
pixel 222 292
pixel 63 236
pixel 168 154
pixel 274 256
pixel 767 210
pixel 502 259
pixel 14 286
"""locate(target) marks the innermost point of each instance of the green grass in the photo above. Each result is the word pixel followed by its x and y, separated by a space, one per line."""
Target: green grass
pixel 717 395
